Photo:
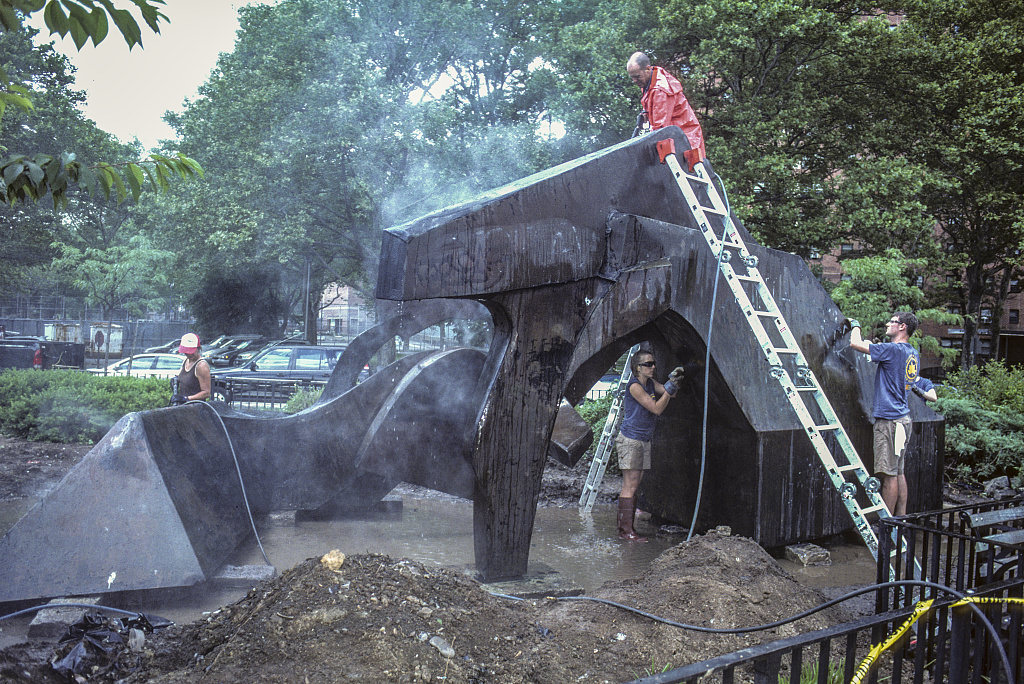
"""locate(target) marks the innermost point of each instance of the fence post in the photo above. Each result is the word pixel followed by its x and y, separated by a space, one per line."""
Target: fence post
pixel 959 644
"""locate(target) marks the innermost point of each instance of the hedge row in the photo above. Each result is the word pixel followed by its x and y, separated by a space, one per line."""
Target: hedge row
pixel 72 406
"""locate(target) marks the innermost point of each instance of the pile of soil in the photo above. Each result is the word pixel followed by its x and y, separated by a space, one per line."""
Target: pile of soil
pixel 375 618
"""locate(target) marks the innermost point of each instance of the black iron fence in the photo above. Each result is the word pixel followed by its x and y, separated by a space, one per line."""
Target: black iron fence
pixel 947 644
pixel 270 394
pixel 945 549
pixel 919 633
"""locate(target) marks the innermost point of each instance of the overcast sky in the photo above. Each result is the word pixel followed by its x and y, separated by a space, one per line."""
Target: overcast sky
pixel 128 92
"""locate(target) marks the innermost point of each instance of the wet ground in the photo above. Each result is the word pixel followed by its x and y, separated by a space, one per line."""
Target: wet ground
pixel 579 553
pixel 434 532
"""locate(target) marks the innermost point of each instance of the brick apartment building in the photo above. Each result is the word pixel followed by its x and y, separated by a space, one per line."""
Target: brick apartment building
pixel 1010 345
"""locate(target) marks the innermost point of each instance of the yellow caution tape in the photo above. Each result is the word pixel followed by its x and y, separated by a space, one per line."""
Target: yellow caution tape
pixel 920 610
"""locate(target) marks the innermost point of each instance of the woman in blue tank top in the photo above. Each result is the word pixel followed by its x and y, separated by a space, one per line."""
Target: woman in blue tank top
pixel 644 401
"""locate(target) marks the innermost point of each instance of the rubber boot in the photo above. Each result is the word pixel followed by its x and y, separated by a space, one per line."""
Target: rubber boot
pixel 626 512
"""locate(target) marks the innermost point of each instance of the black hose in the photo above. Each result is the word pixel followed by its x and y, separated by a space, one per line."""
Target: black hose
pixel 707 365
pixel 241 482
pixel 90 606
pixel 828 604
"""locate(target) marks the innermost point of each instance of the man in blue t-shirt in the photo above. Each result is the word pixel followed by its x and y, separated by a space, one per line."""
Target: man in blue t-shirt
pixel 898 364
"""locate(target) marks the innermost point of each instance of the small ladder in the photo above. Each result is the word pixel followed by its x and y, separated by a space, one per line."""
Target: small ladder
pixel 805 395
pixel 604 444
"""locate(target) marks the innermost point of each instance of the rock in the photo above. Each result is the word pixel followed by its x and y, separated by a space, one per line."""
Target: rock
pixel 136 639
pixel 241 576
pixel 443 646
pixel 333 560
pixel 54 621
pixel 808 554
pixel 999 488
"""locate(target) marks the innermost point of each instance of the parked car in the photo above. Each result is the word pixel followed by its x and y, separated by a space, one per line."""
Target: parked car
pixel 165 348
pixel 225 355
pixel 144 366
pixel 276 371
pixel 243 356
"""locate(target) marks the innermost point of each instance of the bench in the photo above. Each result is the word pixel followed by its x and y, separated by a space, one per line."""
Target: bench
pixel 1004 527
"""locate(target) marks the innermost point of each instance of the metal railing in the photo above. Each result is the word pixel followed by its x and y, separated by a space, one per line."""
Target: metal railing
pixel 948 550
pixel 261 394
pixel 949 643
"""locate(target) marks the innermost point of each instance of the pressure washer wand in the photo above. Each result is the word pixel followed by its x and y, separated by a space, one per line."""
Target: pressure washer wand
pixel 641 119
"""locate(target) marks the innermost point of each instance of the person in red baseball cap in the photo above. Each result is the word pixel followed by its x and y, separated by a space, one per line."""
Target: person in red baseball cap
pixel 194 377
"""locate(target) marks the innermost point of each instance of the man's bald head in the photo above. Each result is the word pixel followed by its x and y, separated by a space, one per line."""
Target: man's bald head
pixel 639 69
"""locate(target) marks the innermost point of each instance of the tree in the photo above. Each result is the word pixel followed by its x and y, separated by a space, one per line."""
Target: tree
pixel 880 285
pixel 963 77
pixel 127 275
pixel 30 177
pixel 330 121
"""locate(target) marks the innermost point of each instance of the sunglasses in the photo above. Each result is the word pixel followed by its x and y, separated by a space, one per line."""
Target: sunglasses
pixel 646 364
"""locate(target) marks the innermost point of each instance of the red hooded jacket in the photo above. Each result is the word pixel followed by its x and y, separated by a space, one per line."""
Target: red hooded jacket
pixel 666 105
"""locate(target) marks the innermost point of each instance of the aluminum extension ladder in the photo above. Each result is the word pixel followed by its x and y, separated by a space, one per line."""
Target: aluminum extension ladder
pixel 604 444
pixel 849 476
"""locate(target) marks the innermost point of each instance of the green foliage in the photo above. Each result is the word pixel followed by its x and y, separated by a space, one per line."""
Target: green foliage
pixel 71 406
pixel 303 399
pixel 878 286
pixel 84 19
pixel 243 300
pixel 809 673
pixel 126 274
pixel 994 386
pixel 31 177
pixel 984 411
pixel 963 124
pixel 25 179
pixel 595 413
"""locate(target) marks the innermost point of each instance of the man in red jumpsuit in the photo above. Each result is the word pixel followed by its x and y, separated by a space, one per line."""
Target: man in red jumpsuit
pixel 664 102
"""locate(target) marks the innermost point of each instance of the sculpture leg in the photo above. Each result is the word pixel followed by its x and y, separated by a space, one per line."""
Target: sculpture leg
pixel 516 424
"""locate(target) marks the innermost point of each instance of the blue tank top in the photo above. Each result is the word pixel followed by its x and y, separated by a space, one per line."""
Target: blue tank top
pixel 637 422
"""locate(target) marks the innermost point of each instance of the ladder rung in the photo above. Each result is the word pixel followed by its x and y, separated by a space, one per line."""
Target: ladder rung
pixel 808 388
pixel 873 509
pixel 848 468
pixel 829 426
pixel 750 278
pixel 785 350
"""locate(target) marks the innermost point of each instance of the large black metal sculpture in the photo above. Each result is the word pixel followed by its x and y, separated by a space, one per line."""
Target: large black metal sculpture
pixel 572 266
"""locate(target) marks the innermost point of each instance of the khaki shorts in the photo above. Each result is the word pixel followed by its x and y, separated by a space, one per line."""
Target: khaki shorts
pixel 633 454
pixel 891 437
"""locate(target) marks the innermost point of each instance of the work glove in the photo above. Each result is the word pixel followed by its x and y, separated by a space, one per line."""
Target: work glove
pixel 178 399
pixel 853 323
pixel 674 378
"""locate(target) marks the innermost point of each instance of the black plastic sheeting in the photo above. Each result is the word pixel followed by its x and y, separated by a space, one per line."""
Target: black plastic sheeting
pixel 96 645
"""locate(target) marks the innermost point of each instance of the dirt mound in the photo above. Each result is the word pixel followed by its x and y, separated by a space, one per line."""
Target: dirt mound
pixel 373 619
pixel 714 581
pixel 379 619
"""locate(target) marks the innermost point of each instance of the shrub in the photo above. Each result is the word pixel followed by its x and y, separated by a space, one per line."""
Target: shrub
pixel 303 399
pixel 71 406
pixel 595 412
pixel 984 410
